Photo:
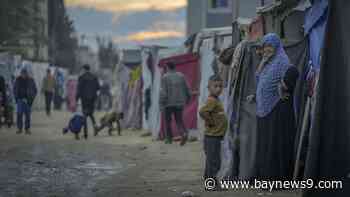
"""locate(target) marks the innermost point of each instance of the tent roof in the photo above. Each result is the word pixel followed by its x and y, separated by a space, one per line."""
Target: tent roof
pixel 131 56
pixel 179 59
pixel 211 32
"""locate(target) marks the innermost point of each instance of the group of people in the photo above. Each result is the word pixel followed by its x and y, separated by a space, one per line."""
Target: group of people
pixel 276 127
pixel 25 91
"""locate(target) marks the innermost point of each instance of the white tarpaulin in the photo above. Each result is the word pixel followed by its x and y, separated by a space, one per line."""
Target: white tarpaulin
pixel 208 63
pixel 147 84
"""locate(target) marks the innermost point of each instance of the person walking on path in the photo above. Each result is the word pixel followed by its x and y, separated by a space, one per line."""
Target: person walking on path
pixel 48 90
pixel 174 95
pixel 88 87
pixel 25 92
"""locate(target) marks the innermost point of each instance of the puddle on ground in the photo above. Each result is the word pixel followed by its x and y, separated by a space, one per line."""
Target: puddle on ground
pixel 75 173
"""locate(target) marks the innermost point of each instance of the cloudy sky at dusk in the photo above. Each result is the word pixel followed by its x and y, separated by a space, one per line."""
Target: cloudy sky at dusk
pixel 130 23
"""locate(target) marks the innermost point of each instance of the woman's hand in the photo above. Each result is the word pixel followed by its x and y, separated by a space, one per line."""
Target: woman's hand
pixel 250 98
pixel 284 95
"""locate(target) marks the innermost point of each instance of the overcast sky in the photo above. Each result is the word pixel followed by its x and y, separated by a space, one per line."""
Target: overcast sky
pixel 130 23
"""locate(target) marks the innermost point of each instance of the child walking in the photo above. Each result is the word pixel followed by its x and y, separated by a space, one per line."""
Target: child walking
pixel 75 125
pixel 215 127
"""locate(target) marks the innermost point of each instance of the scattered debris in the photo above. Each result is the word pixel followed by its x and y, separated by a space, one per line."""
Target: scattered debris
pixel 192 139
pixel 146 134
pixel 40 162
pixel 187 194
pixel 143 148
pixel 174 189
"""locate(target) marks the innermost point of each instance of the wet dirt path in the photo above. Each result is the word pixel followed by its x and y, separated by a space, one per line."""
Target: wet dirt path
pixel 48 164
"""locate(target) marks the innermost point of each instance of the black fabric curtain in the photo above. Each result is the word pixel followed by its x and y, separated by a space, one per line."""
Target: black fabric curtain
pixel 329 151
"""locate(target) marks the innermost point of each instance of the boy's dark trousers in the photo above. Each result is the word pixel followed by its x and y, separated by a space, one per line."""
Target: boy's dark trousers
pixel 177 111
pixel 48 101
pixel 88 106
pixel 23 109
pixel 212 150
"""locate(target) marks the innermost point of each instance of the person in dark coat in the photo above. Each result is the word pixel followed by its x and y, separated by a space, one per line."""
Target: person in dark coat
pixel 174 95
pixel 88 87
pixel 25 92
pixel 276 80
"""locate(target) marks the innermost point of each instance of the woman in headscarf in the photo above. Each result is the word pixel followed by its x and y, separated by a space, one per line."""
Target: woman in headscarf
pixel 276 79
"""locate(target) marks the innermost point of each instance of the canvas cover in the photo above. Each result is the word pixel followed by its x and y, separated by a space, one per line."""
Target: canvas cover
pixel 315 25
pixel 130 96
pixel 328 154
pixel 154 120
pixel 71 91
pixel 147 84
pixel 187 64
pixel 206 70
pixel 243 114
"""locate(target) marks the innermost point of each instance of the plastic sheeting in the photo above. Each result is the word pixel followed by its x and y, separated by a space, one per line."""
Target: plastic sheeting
pixel 315 26
pixel 208 63
pixel 130 97
pixel 206 70
pixel 147 84
pixel 187 64
pixel 155 118
pixel 71 91
pixel 153 123
pixel 328 154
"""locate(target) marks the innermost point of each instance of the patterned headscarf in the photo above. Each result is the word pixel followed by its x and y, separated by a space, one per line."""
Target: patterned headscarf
pixel 267 95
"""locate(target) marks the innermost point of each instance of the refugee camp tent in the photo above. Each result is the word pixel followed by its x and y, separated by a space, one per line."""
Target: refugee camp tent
pixel 71 91
pixel 282 17
pixel 329 150
pixel 207 44
pixel 187 64
pixel 151 74
pixel 130 89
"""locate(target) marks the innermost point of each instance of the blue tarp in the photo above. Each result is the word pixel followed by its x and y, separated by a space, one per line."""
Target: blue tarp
pixel 315 26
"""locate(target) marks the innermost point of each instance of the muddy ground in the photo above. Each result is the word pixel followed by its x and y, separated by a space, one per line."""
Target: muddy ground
pixel 48 164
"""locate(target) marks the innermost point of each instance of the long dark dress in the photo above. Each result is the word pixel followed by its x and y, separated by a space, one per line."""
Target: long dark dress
pixel 275 138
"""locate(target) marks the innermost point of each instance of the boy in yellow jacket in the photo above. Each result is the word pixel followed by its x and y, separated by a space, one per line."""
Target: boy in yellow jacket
pixel 215 127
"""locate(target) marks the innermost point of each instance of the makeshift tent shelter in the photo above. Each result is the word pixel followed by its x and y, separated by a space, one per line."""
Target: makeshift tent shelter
pixel 207 44
pixel 130 89
pixel 71 91
pixel 151 75
pixel 329 149
pixel 284 18
pixel 187 64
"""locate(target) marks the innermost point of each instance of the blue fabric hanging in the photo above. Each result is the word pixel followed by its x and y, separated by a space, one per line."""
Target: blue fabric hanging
pixel 315 26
